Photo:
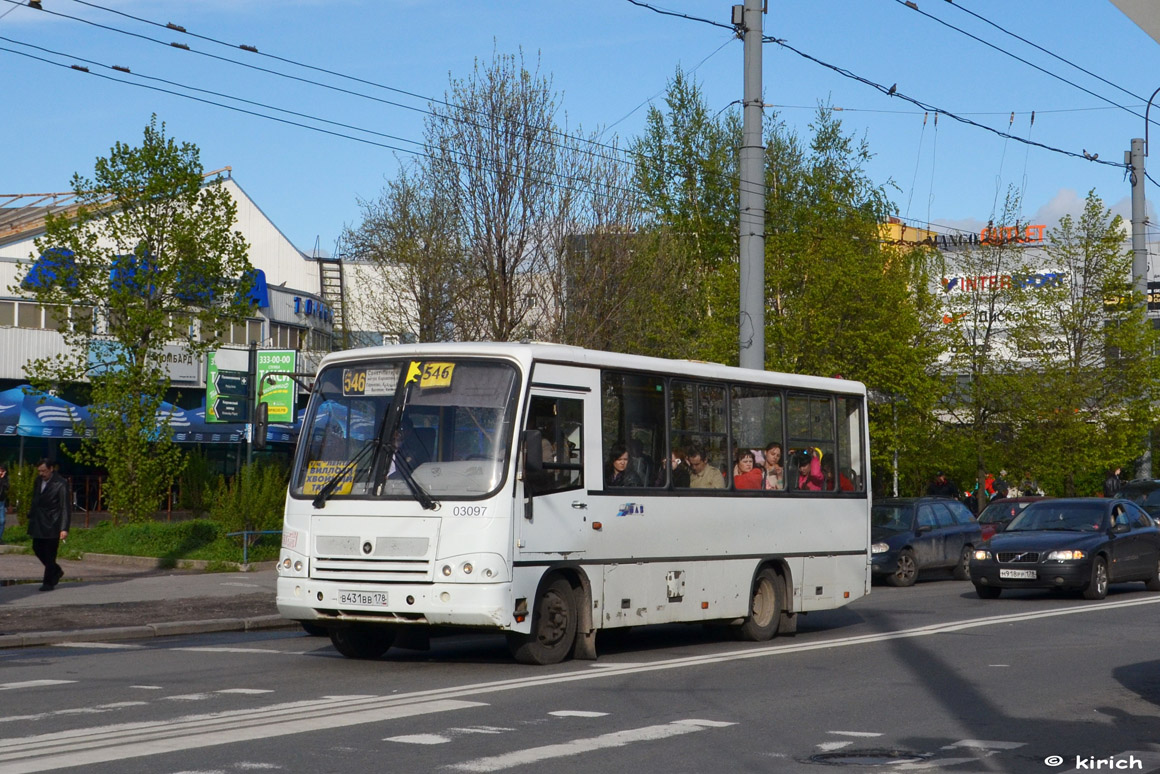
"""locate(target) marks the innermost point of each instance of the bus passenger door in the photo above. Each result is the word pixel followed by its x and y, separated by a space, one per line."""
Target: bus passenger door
pixel 555 520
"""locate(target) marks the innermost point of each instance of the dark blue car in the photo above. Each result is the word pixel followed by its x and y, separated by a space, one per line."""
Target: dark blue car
pixel 912 534
pixel 1082 544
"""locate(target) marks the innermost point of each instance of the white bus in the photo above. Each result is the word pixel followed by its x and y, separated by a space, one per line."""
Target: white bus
pixel 469 485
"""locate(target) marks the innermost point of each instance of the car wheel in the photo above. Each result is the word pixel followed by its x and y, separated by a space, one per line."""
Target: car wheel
pixel 988 592
pixel 553 627
pixel 1097 587
pixel 907 571
pixel 1153 583
pixel 963 568
pixel 361 641
pixel 764 608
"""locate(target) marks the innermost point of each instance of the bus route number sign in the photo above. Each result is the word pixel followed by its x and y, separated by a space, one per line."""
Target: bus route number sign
pixel 436 375
pixel 363 381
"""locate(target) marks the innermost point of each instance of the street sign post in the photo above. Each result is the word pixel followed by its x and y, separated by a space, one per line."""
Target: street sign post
pixel 227 392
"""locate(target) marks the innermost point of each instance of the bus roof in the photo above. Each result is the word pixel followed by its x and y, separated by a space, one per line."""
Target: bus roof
pixel 526 353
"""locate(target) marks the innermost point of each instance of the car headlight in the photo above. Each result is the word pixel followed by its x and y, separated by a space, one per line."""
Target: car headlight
pixel 982 555
pixel 879 548
pixel 1065 556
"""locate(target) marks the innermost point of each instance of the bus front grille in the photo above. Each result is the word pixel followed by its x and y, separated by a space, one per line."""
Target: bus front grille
pixel 370 570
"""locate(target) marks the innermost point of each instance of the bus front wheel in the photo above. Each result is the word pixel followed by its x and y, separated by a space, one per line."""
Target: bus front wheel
pixel 553 627
pixel 764 608
pixel 361 641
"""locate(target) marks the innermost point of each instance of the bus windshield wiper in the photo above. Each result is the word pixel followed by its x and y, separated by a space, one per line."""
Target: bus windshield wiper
pixel 329 487
pixel 407 474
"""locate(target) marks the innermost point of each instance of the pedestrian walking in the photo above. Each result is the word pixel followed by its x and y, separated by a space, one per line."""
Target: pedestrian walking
pixel 1112 483
pixel 48 520
pixel 942 486
pixel 3 498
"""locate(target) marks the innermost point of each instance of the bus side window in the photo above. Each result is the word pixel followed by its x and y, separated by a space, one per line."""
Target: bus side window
pixel 560 422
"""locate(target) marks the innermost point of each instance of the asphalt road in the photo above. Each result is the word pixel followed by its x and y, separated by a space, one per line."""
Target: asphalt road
pixel 923 679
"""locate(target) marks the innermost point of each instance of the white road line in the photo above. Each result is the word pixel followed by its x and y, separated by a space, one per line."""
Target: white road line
pixel 577 714
pixel 419 739
pixel 146 687
pixel 99 708
pixel 854 733
pixel 32 684
pixel 76 748
pixel 99 645
pixel 87 746
pixel 224 649
pixel 831 746
pixel 245 690
pixel 186 697
pixel 980 744
pixel 581 746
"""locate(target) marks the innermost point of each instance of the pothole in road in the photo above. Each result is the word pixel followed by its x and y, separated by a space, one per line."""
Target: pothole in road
pixel 869 758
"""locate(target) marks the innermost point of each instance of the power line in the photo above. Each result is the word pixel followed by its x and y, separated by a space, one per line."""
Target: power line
pixel 914 7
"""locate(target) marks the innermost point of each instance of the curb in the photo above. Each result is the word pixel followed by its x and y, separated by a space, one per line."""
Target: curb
pixel 147 631
pixel 154 563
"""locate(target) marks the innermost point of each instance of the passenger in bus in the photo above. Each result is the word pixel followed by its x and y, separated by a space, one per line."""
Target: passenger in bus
pixel 640 463
pixel 774 466
pixel 678 467
pixel 616 472
pixel 745 474
pixel 702 475
pixel 844 483
pixel 809 470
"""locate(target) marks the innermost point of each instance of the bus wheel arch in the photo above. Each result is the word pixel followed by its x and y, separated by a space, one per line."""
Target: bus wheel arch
pixel 555 614
pixel 767 605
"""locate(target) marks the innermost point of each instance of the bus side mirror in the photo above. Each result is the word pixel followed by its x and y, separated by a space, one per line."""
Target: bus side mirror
pixel 261 425
pixel 533 451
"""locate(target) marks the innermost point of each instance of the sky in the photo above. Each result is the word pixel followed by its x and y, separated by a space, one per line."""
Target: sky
pixel 608 60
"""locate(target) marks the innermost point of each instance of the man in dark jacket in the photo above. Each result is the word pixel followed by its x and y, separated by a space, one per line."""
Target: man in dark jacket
pixel 942 486
pixel 48 520
pixel 1112 483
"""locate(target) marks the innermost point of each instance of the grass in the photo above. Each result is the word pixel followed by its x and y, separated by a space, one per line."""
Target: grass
pixel 196 539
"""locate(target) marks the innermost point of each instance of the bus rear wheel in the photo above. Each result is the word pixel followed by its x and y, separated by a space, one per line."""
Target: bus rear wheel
pixel 361 641
pixel 764 608
pixel 553 627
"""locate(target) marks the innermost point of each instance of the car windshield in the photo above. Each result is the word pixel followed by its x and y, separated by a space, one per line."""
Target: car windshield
pixel 451 430
pixel 891 516
pixel 1067 517
pixel 1003 510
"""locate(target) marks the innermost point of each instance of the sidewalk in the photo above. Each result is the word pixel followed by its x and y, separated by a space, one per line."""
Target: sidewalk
pixel 101 599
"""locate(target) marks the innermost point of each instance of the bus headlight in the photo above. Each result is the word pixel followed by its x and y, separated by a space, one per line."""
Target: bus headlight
pixel 474 568
pixel 291 565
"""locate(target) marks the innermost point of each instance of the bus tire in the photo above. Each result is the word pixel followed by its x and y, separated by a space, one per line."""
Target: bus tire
pixel 314 629
pixel 553 627
pixel 765 607
pixel 361 641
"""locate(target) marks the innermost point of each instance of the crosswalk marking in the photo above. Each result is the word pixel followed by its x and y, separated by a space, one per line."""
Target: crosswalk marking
pixel 99 645
pixel 419 739
pixel 854 733
pixel 246 690
pixel 581 746
pixel 33 684
pixel 577 714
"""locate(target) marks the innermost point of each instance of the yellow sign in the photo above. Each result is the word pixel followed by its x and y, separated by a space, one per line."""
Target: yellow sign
pixel 436 375
pixel 354 381
pixel 319 472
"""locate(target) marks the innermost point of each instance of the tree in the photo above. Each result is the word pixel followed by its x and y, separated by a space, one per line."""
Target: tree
pixel 1086 338
pixel 148 258
pixel 409 243
pixel 985 299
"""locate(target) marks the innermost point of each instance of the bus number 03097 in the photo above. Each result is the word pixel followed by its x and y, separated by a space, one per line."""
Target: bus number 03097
pixel 469 510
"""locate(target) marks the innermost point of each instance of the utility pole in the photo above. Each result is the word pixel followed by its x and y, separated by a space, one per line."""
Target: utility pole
pixel 747 19
pixel 1135 160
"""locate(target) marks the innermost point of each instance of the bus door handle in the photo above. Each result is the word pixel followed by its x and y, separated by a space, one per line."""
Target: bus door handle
pixel 579 505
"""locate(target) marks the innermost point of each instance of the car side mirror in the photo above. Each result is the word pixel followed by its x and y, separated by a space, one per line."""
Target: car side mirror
pixel 261 425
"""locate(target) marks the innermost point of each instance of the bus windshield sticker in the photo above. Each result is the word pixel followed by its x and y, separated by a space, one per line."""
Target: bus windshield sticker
pixel 436 375
pixel 363 382
pixel 318 472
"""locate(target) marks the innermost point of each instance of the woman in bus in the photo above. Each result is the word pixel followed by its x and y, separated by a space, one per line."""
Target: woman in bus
pixel 745 475
pixel 774 467
pixel 616 472
pixel 810 477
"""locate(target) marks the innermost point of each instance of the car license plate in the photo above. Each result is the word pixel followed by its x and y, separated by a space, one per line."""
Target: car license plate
pixel 1018 574
pixel 363 598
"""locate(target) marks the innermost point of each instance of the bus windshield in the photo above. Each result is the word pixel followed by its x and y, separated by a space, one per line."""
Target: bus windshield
pixel 448 423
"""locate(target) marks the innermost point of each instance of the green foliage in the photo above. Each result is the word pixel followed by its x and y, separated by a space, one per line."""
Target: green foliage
pixel 252 500
pixel 152 253
pixel 169 541
pixel 20 481
pixel 196 483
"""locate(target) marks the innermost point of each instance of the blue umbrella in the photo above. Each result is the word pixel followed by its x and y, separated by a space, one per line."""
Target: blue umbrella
pixel 47 416
pixel 11 401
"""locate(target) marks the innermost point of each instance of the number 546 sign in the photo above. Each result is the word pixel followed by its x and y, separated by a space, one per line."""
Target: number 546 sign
pixel 430 375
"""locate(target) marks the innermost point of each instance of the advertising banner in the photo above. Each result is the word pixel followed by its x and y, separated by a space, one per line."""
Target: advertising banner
pixel 275 387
